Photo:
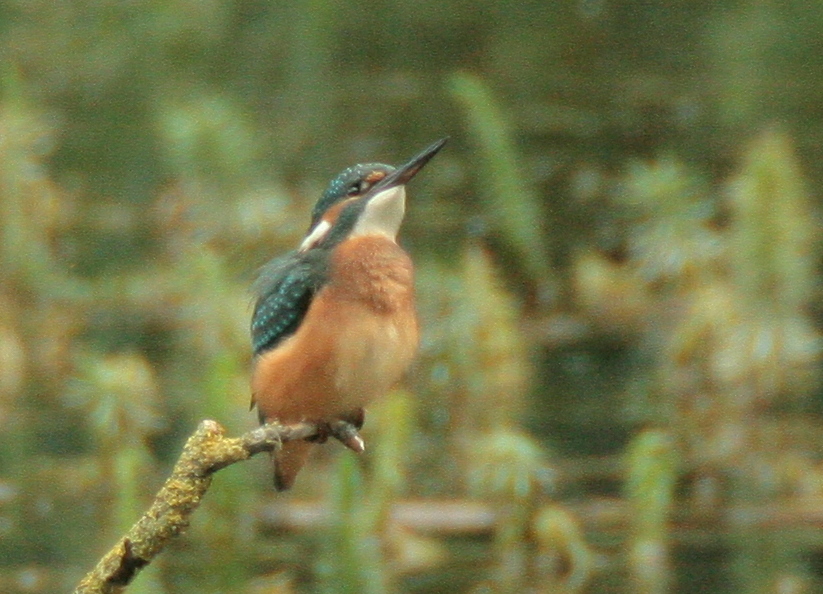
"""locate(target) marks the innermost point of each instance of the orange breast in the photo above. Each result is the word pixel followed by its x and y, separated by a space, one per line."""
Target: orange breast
pixel 357 339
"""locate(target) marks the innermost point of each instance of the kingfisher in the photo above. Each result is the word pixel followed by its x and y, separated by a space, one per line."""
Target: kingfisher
pixel 334 323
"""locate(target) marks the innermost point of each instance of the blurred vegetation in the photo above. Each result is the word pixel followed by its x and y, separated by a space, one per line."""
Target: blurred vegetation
pixel 618 260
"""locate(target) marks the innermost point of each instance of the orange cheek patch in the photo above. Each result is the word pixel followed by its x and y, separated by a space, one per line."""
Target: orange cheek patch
pixel 333 213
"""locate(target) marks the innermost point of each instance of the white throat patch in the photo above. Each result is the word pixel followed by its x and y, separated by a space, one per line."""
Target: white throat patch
pixel 383 214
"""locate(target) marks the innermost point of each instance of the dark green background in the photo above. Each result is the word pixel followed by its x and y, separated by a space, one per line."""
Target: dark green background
pixel 617 268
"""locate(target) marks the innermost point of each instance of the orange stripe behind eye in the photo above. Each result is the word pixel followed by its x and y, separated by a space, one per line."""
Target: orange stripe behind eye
pixel 333 213
pixel 324 225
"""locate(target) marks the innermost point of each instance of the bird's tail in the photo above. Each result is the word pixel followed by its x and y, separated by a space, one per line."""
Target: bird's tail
pixel 288 461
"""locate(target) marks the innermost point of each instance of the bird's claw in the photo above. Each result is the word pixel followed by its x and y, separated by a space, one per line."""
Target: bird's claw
pixel 347 434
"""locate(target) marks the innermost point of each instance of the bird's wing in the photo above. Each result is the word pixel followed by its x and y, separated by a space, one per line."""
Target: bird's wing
pixel 284 290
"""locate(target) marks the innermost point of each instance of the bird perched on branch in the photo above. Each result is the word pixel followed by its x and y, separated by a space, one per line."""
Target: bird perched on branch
pixel 334 324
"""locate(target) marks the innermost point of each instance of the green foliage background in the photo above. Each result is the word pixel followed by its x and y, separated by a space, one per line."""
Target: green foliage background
pixel 618 387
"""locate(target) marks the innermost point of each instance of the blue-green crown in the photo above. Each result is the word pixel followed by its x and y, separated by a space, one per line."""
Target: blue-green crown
pixel 348 183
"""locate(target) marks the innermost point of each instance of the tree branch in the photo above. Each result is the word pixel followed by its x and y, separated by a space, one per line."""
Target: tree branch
pixel 206 451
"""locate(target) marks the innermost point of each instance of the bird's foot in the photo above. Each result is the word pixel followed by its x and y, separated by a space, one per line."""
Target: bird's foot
pixel 322 435
pixel 347 433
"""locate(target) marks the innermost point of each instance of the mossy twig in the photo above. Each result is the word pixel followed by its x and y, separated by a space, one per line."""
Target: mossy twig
pixel 206 451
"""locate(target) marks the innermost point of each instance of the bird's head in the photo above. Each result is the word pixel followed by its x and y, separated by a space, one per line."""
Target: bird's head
pixel 368 199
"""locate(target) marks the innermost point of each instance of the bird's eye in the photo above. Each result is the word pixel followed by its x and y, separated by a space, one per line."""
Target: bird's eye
pixel 358 187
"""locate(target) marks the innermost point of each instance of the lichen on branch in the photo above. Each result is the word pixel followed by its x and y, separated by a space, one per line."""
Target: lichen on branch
pixel 206 451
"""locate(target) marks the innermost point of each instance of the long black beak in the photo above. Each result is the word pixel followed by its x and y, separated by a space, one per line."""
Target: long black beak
pixel 404 173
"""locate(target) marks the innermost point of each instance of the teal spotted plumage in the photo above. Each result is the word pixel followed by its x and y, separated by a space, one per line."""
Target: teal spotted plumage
pixel 287 284
pixel 349 182
pixel 285 290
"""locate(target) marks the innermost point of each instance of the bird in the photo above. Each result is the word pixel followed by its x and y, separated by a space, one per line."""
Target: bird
pixel 334 324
